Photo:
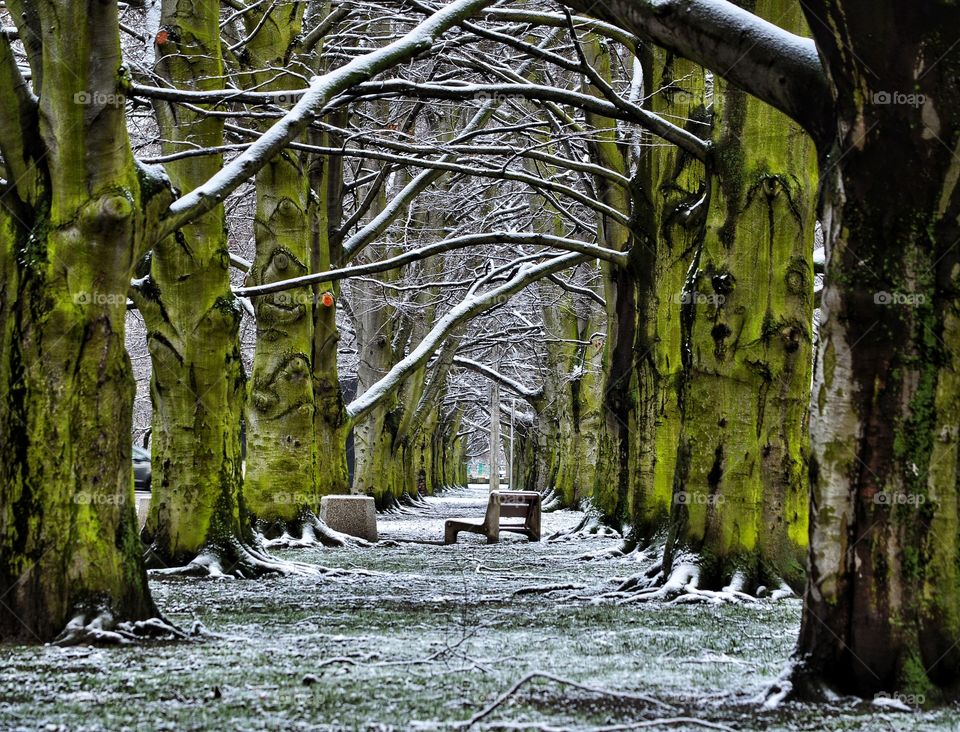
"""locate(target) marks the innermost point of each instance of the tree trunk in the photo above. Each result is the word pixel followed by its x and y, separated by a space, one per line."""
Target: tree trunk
pixel 192 318
pixel 330 420
pixel 290 462
pixel 72 225
pixel 644 364
pixel 882 607
pixel 746 309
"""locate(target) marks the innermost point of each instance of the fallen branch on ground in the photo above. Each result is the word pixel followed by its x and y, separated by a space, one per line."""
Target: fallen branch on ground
pixel 505 697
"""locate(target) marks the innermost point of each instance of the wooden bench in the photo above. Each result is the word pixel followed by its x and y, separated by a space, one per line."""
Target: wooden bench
pixel 523 505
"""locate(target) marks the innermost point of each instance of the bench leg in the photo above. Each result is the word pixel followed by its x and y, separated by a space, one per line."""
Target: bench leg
pixel 450 534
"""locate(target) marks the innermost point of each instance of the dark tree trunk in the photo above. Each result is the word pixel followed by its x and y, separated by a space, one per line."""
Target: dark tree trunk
pixel 882 610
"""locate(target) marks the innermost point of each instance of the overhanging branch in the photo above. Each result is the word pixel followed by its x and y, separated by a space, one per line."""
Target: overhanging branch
pixel 764 60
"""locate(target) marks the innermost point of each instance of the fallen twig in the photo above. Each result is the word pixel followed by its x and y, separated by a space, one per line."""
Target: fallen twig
pixel 503 698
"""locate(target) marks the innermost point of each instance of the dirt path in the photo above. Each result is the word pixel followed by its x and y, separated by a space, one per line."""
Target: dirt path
pixel 423 637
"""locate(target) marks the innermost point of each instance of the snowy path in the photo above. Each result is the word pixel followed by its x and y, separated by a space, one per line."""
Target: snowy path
pixel 424 522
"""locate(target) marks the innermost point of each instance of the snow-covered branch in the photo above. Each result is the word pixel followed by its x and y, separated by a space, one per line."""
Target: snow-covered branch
pixel 526 392
pixel 322 88
pixel 460 242
pixel 540 92
pixel 470 307
pixel 774 65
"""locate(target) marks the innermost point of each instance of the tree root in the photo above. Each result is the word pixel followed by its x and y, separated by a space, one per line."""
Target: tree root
pixel 307 532
pixel 591 525
pixel 684 585
pixel 101 628
pixel 512 691
pixel 233 559
pixel 551 502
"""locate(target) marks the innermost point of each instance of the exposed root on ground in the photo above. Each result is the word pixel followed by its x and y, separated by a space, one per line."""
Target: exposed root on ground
pixel 551 501
pixel 232 558
pixel 687 582
pixel 546 589
pixel 799 683
pixel 308 531
pixel 633 698
pixel 100 628
pixel 413 500
pixel 406 505
pixel 590 525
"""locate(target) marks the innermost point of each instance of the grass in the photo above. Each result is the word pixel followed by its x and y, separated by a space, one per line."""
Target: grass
pixel 432 637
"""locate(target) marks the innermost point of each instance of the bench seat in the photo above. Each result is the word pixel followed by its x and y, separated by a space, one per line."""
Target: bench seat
pixel 522 506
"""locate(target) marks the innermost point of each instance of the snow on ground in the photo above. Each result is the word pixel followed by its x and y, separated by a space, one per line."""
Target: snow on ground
pixel 424 637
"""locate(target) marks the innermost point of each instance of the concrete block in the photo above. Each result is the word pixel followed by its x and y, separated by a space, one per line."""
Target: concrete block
pixel 143 506
pixel 352 515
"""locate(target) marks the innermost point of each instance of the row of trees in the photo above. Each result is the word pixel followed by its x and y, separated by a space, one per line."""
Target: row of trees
pixel 618 232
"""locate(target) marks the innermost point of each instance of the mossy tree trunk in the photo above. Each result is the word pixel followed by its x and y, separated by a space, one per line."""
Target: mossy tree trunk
pixel 376 471
pixel 74 219
pixel 192 318
pixel 882 607
pixel 740 497
pixel 571 401
pixel 330 420
pixel 290 463
pixel 677 185
pixel 642 363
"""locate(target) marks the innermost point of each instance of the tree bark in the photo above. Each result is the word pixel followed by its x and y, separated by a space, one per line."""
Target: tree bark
pixel 73 223
pixel 882 607
pixel 295 451
pixel 740 490
pixel 198 383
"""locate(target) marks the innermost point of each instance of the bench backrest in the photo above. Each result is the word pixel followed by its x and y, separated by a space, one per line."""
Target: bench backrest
pixel 513 504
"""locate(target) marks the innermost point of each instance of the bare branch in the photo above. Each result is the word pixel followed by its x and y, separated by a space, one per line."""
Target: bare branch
pixel 465 310
pixel 384 265
pixel 531 395
pixel 322 89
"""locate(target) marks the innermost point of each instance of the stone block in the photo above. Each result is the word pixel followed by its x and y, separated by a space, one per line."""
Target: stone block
pixel 352 515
